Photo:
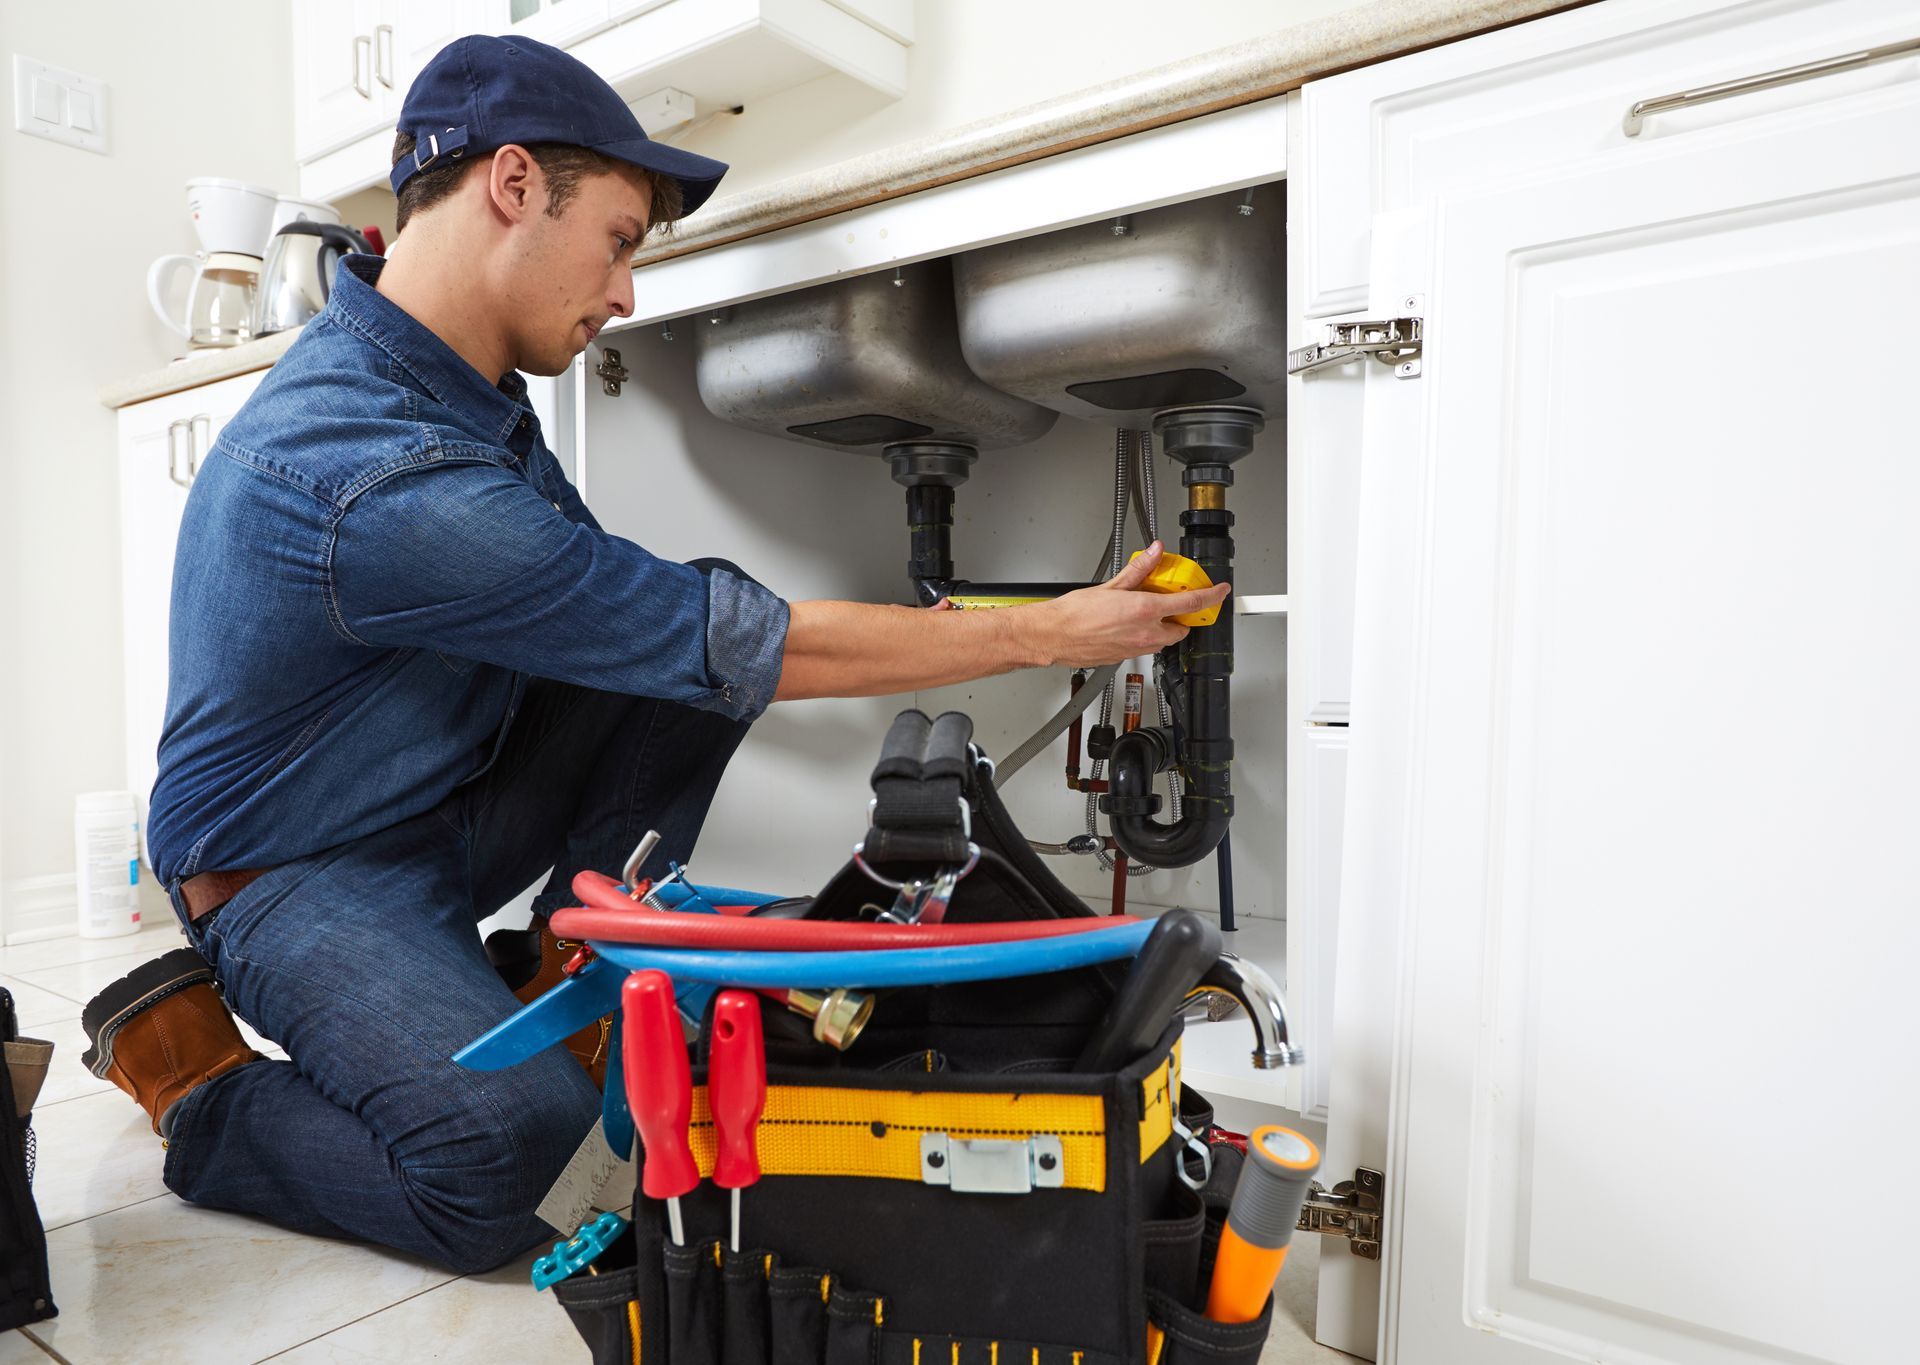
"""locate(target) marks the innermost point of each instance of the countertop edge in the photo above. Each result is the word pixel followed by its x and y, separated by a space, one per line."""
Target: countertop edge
pixel 207 367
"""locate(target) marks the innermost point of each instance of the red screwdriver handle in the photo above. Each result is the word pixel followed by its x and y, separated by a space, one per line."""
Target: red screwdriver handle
pixel 659 1083
pixel 737 1087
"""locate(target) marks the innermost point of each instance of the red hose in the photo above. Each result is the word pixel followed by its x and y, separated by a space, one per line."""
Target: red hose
pixel 612 917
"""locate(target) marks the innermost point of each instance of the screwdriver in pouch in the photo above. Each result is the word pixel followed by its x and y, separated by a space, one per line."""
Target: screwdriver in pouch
pixel 737 1093
pixel 659 1089
pixel 1266 1205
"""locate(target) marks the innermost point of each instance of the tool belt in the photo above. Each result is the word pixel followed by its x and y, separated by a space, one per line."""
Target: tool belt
pixel 947 1189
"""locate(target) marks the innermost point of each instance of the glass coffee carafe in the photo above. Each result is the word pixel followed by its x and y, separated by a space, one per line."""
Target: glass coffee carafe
pixel 219 300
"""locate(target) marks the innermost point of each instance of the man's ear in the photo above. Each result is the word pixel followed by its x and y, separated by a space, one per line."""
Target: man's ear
pixel 514 183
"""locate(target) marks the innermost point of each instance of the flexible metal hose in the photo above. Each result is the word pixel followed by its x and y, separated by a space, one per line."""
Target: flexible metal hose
pixel 1159 665
pixel 1125 444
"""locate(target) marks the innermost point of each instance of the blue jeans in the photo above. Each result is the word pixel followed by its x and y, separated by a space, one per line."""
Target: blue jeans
pixel 364 963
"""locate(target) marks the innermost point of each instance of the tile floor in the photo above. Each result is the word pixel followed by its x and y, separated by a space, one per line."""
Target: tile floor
pixel 141 1276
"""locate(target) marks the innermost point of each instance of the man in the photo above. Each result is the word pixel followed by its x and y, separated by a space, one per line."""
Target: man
pixel 410 672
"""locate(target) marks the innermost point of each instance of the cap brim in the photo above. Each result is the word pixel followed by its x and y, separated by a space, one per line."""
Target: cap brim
pixel 698 175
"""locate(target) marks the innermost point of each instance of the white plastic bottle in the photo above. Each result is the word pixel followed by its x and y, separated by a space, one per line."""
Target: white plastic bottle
pixel 106 864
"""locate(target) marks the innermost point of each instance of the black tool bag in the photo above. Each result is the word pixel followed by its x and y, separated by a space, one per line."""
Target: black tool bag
pixel 25 1294
pixel 947 1189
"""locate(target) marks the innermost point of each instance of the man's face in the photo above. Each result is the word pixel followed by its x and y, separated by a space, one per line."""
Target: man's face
pixel 576 271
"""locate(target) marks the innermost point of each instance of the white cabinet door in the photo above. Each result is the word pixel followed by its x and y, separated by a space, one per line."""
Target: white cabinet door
pixel 410 33
pixel 162 443
pixel 1631 800
pixel 337 91
pixel 1536 95
pixel 154 454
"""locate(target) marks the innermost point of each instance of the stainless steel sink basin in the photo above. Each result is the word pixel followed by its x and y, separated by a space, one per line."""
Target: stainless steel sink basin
pixel 862 364
pixel 1182 306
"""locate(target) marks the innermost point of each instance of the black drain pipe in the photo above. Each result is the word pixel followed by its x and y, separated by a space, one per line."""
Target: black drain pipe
pixel 1207 441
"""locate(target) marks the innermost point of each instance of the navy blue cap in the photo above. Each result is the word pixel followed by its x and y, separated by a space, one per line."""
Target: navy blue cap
pixel 480 93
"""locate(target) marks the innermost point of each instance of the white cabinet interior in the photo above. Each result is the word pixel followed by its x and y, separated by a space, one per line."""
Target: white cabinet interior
pixel 810 522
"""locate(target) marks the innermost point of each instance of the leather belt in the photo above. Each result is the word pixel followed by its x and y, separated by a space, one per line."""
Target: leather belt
pixel 206 892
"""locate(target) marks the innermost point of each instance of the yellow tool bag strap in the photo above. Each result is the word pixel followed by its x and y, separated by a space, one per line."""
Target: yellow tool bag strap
pixel 875 1134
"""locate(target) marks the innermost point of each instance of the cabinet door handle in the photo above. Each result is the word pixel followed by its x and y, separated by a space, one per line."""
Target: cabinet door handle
pixel 1766 80
pixel 196 444
pixel 383 55
pixel 173 450
pixel 362 43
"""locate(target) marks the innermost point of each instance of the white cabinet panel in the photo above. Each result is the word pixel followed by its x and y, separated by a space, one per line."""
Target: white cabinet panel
pixel 558 22
pixel 1636 892
pixel 416 31
pixel 1316 806
pixel 1542 93
pixel 162 444
pixel 337 94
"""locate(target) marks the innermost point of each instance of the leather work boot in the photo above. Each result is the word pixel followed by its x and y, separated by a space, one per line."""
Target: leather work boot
pixel 162 1029
pixel 531 961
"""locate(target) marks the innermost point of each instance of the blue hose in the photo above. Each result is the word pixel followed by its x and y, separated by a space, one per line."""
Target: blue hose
pixel 898 967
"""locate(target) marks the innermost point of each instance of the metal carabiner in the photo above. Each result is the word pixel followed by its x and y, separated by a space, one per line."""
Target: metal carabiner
pixel 1193 1142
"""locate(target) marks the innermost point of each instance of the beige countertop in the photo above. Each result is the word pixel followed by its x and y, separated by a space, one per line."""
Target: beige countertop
pixel 1256 69
pixel 202 367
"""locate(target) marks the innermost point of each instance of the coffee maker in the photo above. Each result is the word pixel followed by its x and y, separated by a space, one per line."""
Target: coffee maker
pixel 233 221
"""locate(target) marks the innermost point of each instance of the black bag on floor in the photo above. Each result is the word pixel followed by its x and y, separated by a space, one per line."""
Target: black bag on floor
pixel 25 1294
pixel 949 1188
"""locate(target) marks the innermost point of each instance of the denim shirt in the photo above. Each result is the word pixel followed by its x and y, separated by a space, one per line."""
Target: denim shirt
pixel 376 554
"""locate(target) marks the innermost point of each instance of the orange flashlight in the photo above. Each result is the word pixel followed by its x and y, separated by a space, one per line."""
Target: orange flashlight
pixel 1260 1221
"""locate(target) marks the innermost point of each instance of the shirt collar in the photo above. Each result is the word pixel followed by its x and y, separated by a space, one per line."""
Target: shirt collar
pixel 354 303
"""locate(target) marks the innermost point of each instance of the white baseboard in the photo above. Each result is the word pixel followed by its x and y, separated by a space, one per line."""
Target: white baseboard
pixel 35 908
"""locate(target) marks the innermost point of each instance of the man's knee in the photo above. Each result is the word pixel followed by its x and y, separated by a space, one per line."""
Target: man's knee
pixel 479 1197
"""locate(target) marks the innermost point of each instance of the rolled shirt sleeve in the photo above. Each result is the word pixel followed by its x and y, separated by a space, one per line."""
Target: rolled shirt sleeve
pixel 472 561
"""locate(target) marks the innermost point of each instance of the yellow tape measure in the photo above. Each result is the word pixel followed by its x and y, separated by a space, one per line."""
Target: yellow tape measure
pixel 1177 573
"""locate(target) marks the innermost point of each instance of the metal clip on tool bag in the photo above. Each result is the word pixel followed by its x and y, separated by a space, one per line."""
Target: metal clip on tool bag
pixel 947 1188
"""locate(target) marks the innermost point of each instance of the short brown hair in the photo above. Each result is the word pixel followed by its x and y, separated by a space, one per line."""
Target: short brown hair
pixel 563 164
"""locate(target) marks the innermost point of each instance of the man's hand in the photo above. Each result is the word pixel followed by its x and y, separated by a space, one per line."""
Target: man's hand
pixel 1114 621
pixel 851 649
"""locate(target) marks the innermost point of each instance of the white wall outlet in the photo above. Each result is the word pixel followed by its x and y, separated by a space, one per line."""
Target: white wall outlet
pixel 60 105
pixel 663 109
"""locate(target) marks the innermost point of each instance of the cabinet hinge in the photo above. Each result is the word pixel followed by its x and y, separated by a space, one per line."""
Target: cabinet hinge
pixel 612 373
pixel 1394 342
pixel 1350 1209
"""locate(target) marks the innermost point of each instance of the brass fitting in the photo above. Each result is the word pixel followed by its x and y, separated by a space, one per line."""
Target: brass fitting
pixel 1206 497
pixel 837 1016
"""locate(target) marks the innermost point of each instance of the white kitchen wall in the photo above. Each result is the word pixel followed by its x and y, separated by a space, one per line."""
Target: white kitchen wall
pixel 196 88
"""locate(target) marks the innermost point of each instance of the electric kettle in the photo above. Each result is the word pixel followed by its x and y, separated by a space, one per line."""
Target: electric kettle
pixel 298 274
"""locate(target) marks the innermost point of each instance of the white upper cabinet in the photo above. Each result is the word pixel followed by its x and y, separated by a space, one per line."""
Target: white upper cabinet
pixel 337 91
pixel 420 28
pixel 559 22
pixel 355 59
